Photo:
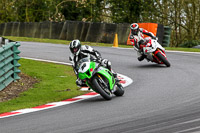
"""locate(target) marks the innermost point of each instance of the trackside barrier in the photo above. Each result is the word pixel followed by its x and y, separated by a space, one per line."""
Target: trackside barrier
pixel 68 30
pixel 84 31
pixel 9 63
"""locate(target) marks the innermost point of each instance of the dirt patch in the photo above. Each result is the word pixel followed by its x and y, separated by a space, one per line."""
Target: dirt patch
pixel 15 88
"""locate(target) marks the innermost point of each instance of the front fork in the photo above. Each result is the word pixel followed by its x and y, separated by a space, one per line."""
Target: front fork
pixel 102 83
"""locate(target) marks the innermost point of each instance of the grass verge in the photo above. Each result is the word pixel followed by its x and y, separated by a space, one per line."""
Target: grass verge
pixel 56 83
pixel 183 49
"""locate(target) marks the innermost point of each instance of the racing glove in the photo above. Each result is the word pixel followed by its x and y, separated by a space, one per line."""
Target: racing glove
pixel 155 38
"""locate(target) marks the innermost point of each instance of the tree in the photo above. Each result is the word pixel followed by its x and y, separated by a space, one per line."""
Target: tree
pixel 183 16
pixel 7 11
pixel 130 11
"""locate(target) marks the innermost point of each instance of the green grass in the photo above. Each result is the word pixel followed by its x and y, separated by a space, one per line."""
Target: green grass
pixel 29 39
pixel 56 83
pixel 183 49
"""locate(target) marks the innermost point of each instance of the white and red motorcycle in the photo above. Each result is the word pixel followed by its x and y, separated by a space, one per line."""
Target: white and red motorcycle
pixel 155 53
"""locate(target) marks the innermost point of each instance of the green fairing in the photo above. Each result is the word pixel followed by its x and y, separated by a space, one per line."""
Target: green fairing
pixel 104 72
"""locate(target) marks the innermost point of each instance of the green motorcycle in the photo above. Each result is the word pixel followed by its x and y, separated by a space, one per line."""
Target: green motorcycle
pixel 99 78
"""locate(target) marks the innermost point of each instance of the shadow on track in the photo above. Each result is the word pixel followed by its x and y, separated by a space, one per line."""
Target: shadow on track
pixel 151 66
pixel 99 99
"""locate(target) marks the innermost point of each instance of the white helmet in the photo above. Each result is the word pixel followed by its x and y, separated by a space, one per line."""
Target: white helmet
pixel 75 47
pixel 134 28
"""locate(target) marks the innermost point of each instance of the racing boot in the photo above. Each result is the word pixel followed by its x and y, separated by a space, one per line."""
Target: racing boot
pixel 115 76
pixel 113 73
pixel 141 58
pixel 80 83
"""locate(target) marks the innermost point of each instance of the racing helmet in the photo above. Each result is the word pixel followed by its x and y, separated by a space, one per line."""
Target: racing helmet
pixel 134 28
pixel 75 47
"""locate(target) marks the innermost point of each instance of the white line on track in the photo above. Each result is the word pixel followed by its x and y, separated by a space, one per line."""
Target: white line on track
pixel 172 51
pixel 57 62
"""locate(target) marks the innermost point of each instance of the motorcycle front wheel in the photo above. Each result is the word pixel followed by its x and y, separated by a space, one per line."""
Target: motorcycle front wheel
pixel 163 59
pixel 99 85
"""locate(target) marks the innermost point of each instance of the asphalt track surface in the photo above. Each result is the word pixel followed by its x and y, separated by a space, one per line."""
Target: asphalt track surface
pixel 160 99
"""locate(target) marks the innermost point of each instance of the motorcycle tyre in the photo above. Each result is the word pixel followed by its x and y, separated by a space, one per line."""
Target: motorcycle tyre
pixel 98 88
pixel 120 90
pixel 163 59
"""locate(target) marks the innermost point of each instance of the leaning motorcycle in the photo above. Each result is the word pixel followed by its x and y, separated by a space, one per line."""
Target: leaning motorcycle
pixel 155 53
pixel 99 78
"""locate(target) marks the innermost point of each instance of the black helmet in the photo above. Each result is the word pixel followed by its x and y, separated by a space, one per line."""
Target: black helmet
pixel 134 28
pixel 75 47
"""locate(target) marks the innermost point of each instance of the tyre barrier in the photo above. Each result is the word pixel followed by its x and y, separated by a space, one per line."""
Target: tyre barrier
pixel 8 62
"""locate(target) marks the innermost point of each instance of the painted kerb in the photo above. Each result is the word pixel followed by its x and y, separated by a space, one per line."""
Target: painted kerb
pixel 9 63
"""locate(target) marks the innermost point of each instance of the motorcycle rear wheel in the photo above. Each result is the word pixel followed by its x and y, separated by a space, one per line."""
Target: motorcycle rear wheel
pixel 163 59
pixel 104 92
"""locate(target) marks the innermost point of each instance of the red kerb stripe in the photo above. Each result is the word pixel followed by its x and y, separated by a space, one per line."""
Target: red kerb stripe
pixel 122 81
pixel 42 106
pixel 91 93
pixel 9 113
pixel 72 99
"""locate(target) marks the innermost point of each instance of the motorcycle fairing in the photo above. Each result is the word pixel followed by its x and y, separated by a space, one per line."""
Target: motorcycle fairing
pixel 105 72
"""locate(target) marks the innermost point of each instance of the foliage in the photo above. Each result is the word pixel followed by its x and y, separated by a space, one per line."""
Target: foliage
pixel 190 43
pixel 183 16
pixel 130 11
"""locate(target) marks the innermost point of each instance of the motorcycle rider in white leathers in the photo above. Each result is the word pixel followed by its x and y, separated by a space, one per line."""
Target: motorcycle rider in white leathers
pixel 138 41
pixel 79 51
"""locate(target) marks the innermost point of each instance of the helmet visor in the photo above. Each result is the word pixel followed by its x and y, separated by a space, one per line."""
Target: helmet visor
pixel 135 32
pixel 75 50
